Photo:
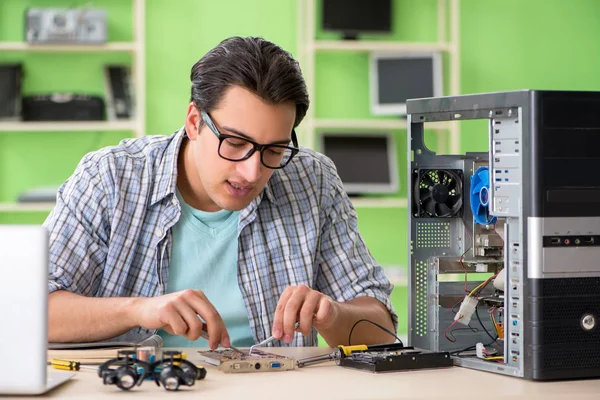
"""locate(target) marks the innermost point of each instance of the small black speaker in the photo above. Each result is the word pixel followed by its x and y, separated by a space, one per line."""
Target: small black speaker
pixel 11 76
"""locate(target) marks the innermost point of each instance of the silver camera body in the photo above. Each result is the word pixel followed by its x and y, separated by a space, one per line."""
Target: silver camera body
pixel 65 26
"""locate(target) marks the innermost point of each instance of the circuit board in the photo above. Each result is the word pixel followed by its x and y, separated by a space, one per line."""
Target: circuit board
pixel 231 361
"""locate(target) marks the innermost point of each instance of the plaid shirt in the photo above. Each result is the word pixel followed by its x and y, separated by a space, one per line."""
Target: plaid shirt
pixel 110 232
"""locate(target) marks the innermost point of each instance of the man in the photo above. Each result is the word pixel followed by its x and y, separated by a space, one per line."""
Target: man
pixel 224 226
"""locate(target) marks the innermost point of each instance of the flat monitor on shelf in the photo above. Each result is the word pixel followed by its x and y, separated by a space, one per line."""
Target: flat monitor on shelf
pixel 366 162
pixel 394 78
pixel 353 17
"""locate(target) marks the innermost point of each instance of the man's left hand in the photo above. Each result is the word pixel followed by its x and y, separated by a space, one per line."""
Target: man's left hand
pixel 308 307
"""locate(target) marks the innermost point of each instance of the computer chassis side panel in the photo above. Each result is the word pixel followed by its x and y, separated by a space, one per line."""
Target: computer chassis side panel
pixel 432 242
pixel 428 237
pixel 510 109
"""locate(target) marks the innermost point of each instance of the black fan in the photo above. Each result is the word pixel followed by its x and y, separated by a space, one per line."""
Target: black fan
pixel 438 193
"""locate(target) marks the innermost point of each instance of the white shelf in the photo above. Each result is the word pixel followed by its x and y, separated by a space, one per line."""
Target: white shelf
pixel 367 202
pixel 375 124
pixel 107 47
pixel 52 126
pixel 26 207
pixel 365 45
pixel 378 124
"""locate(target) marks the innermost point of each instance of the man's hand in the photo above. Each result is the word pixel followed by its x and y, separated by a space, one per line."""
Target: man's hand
pixel 179 314
pixel 305 305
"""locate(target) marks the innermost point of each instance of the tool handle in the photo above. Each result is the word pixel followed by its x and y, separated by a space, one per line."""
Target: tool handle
pixel 347 350
pixel 66 365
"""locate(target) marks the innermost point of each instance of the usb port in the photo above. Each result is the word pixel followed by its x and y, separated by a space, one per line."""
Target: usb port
pixel 275 365
pixel 514 353
pixel 555 240
pixel 588 240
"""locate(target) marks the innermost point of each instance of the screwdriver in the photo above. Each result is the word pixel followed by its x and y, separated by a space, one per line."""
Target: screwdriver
pixel 341 352
pixel 268 340
pixel 71 365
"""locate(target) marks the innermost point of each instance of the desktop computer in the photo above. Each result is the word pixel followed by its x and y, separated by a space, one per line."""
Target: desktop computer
pixel 504 244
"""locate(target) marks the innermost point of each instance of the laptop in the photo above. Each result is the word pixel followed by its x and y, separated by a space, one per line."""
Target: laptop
pixel 24 311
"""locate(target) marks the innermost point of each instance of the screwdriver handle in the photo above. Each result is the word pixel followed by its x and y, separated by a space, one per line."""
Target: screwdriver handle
pixel 347 350
pixel 66 365
pixel 71 365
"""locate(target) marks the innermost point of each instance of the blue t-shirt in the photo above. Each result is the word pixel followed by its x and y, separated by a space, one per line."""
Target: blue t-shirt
pixel 204 255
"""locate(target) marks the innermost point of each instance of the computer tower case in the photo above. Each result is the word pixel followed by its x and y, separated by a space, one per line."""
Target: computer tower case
pixel 505 244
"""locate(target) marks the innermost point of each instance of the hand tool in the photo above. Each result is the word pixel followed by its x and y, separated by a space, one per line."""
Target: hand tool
pixel 344 351
pixel 71 365
pixel 268 340
pixel 204 334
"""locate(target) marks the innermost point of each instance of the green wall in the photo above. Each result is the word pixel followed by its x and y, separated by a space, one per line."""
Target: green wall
pixel 508 44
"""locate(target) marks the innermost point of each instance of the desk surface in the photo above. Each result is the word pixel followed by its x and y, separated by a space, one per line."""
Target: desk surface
pixel 333 382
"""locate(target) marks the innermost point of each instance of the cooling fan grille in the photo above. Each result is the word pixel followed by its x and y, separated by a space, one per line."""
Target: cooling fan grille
pixel 438 193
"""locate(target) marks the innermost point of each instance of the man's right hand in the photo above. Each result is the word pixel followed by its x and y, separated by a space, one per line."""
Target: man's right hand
pixel 179 314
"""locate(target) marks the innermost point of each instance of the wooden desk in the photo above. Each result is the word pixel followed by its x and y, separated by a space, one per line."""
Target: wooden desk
pixel 328 381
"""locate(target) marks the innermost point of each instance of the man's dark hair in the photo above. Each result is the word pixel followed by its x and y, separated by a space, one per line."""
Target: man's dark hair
pixel 255 64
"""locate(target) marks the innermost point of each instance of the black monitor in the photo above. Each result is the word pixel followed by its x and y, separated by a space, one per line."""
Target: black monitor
pixel 366 162
pixel 352 17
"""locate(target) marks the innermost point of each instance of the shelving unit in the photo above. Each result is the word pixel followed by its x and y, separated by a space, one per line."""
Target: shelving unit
pixel 130 47
pixel 136 125
pixel 383 202
pixel 26 207
pixel 364 45
pixel 308 46
pixel 67 126
pixel 377 124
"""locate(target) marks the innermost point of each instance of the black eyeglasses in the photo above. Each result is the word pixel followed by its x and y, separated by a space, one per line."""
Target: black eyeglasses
pixel 236 148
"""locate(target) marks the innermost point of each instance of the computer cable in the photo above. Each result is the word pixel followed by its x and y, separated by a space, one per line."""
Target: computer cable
pixel 374 323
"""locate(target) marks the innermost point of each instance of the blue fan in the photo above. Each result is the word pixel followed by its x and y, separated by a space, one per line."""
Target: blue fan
pixel 480 190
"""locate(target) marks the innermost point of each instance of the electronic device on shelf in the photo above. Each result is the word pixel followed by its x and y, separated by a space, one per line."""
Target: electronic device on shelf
pixel 11 76
pixel 504 244
pixel 365 161
pixel 41 194
pixel 395 78
pixel 353 17
pixel 63 107
pixel 119 94
pixel 65 26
